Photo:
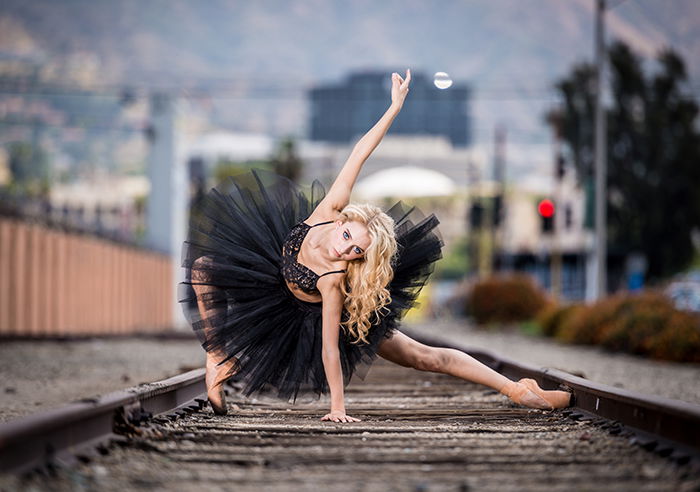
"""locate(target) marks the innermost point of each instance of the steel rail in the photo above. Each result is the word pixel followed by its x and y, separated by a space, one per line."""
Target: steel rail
pixel 661 424
pixel 668 427
pixel 57 434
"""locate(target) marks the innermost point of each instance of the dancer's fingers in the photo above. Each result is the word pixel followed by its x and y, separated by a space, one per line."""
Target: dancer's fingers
pixel 407 80
pixel 344 418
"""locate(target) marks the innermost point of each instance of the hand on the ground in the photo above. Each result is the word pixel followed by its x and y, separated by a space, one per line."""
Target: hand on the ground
pixel 338 416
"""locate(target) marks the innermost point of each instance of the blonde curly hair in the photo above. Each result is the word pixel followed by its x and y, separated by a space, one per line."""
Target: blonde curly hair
pixel 365 287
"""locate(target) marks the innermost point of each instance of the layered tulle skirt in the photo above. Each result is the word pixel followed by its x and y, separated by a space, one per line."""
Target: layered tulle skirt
pixel 243 308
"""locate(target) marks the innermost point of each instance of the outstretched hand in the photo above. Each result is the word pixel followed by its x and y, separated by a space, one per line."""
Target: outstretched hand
pixel 399 87
pixel 338 416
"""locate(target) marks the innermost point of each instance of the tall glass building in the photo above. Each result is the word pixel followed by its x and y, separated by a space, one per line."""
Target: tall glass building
pixel 340 113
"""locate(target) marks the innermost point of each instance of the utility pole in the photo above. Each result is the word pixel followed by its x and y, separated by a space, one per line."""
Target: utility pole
pixel 485 234
pixel 474 219
pixel 491 201
pixel 597 277
pixel 601 165
pixel 167 200
pixel 498 202
pixel 558 196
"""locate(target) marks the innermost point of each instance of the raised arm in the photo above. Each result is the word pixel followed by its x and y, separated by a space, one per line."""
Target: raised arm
pixel 339 194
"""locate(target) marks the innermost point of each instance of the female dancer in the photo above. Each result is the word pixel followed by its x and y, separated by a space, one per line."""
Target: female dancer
pixel 265 314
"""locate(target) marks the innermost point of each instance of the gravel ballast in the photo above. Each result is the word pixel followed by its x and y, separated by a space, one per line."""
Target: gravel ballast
pixel 41 374
pixel 38 375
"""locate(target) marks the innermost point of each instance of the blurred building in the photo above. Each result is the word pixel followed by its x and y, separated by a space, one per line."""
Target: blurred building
pixel 324 160
pixel 105 205
pixel 427 171
pixel 234 146
pixel 342 112
pixel 553 252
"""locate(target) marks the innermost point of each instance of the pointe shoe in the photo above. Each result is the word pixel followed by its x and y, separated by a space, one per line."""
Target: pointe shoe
pixel 522 395
pixel 217 399
pixel 555 398
pixel 216 376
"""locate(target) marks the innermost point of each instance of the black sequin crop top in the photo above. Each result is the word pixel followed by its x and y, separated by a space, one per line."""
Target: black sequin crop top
pixel 293 271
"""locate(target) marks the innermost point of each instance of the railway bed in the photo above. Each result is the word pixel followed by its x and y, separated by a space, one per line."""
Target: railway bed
pixel 419 431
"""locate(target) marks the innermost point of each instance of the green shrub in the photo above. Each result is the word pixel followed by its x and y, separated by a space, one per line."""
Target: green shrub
pixel 637 320
pixel 585 324
pixel 554 318
pixel 634 330
pixel 531 328
pixel 505 299
pixel 679 340
pixel 548 318
pixel 455 261
pixel 643 324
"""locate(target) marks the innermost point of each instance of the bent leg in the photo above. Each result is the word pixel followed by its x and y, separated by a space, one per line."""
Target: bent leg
pixel 218 368
pixel 210 303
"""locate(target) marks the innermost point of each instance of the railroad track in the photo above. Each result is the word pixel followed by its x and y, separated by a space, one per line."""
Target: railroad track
pixel 419 431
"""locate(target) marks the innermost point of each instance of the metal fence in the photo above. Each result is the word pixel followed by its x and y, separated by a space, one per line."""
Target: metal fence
pixel 60 283
pixel 123 223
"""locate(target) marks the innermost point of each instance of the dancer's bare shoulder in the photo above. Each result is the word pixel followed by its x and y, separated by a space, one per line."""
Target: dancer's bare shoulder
pixel 322 213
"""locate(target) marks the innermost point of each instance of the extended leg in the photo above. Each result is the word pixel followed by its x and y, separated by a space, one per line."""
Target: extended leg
pixel 407 352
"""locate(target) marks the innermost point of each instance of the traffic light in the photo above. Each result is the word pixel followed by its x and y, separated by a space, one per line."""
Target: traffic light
pixel 546 210
pixel 476 215
pixel 561 167
pixel 497 210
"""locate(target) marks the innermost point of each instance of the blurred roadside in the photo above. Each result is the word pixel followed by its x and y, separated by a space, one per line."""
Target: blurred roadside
pixel 39 375
pixel 43 374
pixel 684 291
pixel 667 379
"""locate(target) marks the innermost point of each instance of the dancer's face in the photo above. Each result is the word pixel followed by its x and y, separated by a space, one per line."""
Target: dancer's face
pixel 349 240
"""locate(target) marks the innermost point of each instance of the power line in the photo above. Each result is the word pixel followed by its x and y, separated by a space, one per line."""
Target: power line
pixel 285 93
pixel 616 4
pixel 43 124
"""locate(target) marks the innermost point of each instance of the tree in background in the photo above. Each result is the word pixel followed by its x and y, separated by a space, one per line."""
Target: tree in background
pixel 29 168
pixel 287 163
pixel 653 202
pixel 225 168
pixel 284 162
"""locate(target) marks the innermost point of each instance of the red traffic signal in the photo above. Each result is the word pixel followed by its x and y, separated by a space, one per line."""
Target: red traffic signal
pixel 546 208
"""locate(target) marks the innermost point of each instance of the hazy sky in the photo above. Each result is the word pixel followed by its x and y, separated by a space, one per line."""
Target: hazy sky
pixel 510 51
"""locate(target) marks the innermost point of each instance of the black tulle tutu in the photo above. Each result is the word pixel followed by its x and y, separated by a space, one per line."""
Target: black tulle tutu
pixel 236 235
